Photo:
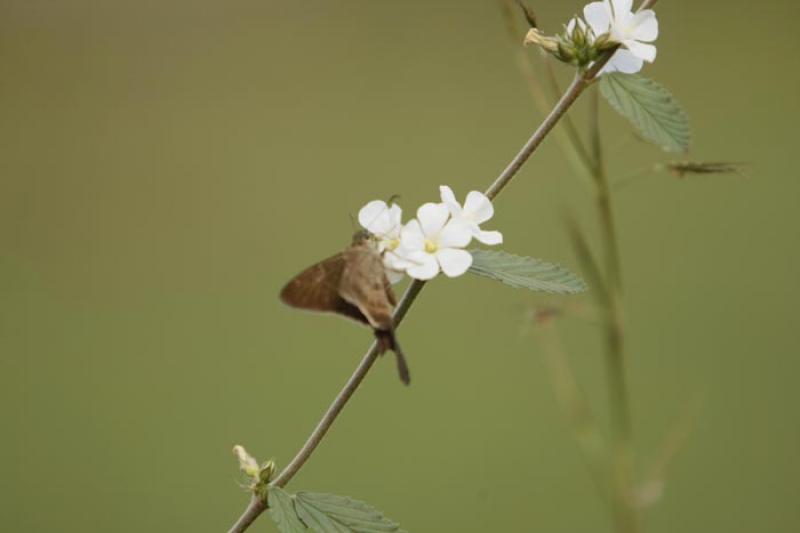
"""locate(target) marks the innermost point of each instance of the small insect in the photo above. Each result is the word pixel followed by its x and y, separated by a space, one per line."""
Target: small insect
pixel 352 284
pixel 680 169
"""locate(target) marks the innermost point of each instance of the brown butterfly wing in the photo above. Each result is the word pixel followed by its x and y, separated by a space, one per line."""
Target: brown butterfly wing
pixel 317 289
pixel 352 284
pixel 364 284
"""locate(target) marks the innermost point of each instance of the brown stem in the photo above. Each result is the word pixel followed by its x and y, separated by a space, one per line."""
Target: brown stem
pixel 257 506
pixel 578 85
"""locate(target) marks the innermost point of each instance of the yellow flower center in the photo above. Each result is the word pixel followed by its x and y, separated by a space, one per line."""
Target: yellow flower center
pixel 430 246
pixel 392 244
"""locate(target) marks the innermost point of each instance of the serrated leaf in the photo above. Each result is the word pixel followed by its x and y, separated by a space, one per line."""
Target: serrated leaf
pixel 525 272
pixel 650 107
pixel 328 513
pixel 283 511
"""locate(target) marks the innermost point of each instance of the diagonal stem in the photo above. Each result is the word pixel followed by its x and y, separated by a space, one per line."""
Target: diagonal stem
pixel 575 89
pixel 258 505
pixel 566 135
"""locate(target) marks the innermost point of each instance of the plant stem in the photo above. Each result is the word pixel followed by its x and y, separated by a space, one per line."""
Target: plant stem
pixel 625 511
pixel 257 506
pixel 572 135
pixel 578 85
pixel 566 135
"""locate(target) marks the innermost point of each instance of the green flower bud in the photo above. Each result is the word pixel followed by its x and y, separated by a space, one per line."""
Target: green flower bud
pixel 566 53
pixel 579 37
pixel 604 43
pixel 267 469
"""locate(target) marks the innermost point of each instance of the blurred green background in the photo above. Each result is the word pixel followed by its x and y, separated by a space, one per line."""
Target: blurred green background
pixel 166 166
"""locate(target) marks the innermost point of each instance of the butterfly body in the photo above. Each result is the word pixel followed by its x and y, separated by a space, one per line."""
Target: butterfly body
pixel 352 284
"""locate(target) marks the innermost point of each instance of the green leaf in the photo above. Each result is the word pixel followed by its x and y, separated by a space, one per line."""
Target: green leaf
pixel 650 107
pixel 283 512
pixel 525 272
pixel 327 513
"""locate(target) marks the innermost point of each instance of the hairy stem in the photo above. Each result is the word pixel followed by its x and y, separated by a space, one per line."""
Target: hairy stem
pixel 578 85
pixel 572 135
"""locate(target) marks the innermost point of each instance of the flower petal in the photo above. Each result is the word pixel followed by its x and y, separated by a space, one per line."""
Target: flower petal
pixel 478 207
pixel 623 61
pixel 395 276
pixel 622 7
pixel 432 218
pixel 397 259
pixel 373 217
pixel 425 266
pixel 454 262
pixel 396 220
pixel 598 15
pixel 456 234
pixel 488 237
pixel 643 51
pixel 449 199
pixel 411 237
pixel 645 26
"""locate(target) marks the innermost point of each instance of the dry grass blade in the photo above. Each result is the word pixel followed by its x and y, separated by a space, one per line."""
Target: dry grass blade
pixel 530 16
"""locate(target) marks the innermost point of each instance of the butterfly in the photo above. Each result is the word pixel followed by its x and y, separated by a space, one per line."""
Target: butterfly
pixel 352 284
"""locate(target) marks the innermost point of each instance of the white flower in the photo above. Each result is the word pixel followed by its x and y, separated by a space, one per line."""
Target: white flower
pixel 382 221
pixel 433 243
pixel 632 30
pixel 477 210
pixel 385 223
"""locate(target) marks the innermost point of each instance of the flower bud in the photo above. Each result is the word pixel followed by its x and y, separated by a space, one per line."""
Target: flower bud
pixel 578 37
pixel 267 469
pixel 247 463
pixel 536 37
pixel 604 43
pixel 565 53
